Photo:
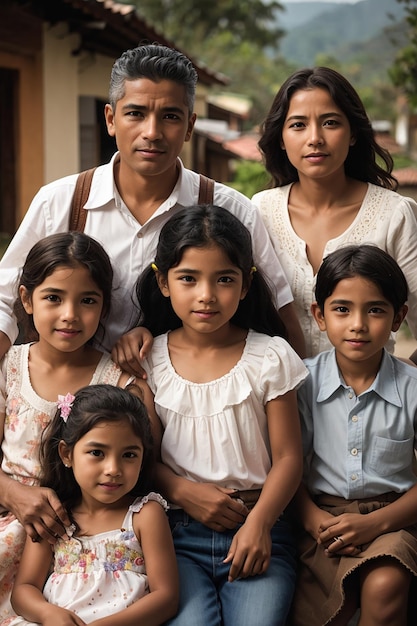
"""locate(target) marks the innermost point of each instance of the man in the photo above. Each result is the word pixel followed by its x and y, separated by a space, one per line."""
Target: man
pixel 150 114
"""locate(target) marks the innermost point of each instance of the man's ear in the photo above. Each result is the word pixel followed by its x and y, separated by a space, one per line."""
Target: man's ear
pixel 399 318
pixel 25 299
pixel 162 281
pixel 318 316
pixel 190 127
pixel 109 117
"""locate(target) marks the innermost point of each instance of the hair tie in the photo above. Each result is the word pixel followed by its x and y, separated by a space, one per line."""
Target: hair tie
pixel 253 269
pixel 65 404
pixel 154 267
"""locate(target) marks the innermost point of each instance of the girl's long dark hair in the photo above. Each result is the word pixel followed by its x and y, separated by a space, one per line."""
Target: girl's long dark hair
pixel 361 162
pixel 92 405
pixel 200 226
pixel 63 250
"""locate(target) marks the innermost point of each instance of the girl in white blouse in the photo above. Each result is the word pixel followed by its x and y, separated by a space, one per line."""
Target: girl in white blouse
pixel 224 380
pixel 329 189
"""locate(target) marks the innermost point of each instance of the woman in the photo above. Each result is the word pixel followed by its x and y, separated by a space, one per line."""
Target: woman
pixel 329 189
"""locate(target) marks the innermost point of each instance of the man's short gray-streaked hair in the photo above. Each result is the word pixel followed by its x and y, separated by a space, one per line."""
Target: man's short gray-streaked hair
pixel 155 62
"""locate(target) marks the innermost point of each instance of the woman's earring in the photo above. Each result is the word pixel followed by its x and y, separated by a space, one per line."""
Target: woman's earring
pixel 67 465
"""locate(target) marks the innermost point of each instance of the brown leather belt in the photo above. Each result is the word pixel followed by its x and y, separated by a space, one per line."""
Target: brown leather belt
pixel 249 497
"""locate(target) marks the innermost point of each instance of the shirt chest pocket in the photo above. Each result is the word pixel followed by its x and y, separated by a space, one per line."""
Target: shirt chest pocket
pixel 389 456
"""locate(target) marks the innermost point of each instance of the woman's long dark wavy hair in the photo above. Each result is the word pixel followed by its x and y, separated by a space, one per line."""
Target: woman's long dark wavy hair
pixel 201 226
pixel 63 250
pixel 93 405
pixel 361 162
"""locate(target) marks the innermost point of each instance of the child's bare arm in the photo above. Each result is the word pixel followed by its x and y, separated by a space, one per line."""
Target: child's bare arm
pixel 250 550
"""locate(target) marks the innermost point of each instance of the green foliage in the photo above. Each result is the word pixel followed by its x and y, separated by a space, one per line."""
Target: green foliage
pixel 404 69
pixel 402 160
pixel 250 177
pixel 191 22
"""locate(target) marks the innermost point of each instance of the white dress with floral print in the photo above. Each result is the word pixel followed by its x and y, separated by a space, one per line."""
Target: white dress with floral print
pixel 99 575
pixel 26 416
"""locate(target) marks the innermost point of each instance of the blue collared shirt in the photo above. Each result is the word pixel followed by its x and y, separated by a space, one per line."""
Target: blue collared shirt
pixel 358 446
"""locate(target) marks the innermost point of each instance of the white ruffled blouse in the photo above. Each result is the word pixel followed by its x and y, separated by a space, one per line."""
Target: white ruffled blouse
pixel 217 431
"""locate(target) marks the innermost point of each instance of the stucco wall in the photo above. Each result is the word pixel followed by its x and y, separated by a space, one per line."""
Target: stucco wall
pixel 60 102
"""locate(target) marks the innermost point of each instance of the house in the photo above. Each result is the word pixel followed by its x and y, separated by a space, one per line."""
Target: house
pixel 55 62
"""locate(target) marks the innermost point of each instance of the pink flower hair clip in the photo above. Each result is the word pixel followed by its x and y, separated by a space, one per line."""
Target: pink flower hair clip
pixel 65 404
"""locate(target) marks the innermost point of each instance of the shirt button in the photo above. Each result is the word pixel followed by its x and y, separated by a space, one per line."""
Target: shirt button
pixel 355 418
pixel 354 452
pixel 350 395
pixel 140 235
pixel 354 477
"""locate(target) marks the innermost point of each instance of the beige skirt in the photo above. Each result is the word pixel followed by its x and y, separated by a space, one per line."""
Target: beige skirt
pixel 327 589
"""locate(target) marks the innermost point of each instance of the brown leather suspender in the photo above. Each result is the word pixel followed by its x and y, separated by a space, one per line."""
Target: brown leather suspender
pixel 78 214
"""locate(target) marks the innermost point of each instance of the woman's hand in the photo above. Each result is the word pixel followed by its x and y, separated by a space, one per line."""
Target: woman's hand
pixel 131 349
pixel 39 510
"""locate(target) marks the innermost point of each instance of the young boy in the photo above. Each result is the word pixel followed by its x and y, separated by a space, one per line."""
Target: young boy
pixel 358 502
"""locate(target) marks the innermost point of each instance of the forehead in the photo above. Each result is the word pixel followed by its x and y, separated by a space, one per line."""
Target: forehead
pixel 77 274
pixel 116 434
pixel 357 290
pixel 206 257
pixel 146 92
pixel 315 97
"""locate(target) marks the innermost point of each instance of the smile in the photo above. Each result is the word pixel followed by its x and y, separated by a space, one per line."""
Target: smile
pixel 205 314
pixel 110 486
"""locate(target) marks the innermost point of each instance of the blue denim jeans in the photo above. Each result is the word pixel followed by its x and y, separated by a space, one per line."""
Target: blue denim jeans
pixel 206 596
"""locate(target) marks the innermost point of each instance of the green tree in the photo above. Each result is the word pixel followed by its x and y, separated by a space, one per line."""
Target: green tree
pixel 404 70
pixel 191 22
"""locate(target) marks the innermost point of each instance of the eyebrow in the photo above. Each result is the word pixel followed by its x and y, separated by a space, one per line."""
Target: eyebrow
pixel 371 303
pixel 98 444
pixel 142 107
pixel 185 270
pixel 60 291
pixel 323 116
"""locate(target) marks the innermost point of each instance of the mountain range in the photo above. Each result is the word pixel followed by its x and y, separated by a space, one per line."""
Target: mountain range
pixel 345 32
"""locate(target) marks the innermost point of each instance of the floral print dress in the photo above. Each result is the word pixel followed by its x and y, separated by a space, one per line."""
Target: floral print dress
pixel 99 575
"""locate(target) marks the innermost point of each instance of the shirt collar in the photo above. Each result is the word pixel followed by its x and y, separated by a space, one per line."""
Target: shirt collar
pixel 104 190
pixel 385 384
pixel 103 187
pixel 186 189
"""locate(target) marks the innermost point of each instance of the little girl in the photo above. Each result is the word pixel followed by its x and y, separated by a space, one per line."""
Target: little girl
pixel 64 294
pixel 224 387
pixel 117 565
pixel 358 503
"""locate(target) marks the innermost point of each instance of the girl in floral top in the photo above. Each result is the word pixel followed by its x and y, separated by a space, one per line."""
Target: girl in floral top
pixel 98 457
